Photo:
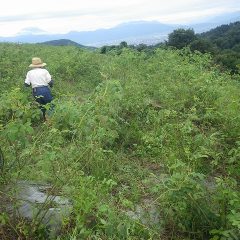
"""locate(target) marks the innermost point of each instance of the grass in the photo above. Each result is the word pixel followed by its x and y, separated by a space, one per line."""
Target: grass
pixel 127 128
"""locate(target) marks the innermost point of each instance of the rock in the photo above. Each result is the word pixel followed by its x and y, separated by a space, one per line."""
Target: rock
pixel 35 202
pixel 146 213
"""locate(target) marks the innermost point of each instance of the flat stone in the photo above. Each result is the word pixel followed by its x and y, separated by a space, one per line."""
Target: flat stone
pixel 35 202
pixel 146 213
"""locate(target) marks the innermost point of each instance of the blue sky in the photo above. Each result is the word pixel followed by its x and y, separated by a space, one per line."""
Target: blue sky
pixel 61 16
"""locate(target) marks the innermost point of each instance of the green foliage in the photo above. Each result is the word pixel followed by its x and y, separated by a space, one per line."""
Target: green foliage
pixel 229 59
pixel 128 126
pixel 187 203
pixel 181 38
pixel 222 42
pixel 203 46
pixel 224 36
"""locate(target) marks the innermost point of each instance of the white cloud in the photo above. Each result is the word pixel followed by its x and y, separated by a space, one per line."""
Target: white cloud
pixel 61 16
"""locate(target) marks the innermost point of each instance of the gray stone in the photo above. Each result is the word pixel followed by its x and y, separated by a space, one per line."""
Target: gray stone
pixel 146 213
pixel 35 202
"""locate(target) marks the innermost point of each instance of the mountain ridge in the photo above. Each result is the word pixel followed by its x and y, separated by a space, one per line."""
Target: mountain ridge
pixel 101 36
pixel 135 32
pixel 66 42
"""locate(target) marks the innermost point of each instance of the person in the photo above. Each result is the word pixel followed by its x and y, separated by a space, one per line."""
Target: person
pixel 40 80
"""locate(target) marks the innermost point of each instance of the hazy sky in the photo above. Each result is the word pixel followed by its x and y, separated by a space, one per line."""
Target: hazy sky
pixel 61 16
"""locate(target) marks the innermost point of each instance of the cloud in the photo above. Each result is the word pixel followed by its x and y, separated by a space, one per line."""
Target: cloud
pixel 31 30
pixel 43 15
pixel 61 16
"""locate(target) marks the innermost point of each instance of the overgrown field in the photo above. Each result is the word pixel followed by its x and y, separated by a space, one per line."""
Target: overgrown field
pixel 127 130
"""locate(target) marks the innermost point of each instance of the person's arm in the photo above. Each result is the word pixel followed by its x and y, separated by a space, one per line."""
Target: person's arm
pixel 50 83
pixel 26 85
pixel 49 79
pixel 27 82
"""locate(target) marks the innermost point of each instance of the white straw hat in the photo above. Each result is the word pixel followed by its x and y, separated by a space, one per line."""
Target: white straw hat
pixel 37 62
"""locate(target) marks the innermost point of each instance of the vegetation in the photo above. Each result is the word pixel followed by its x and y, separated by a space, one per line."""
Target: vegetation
pixel 181 38
pixel 127 128
pixel 222 42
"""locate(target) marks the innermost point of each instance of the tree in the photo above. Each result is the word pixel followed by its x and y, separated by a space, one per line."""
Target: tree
pixel 140 47
pixel 123 44
pixel 203 46
pixel 229 59
pixel 103 50
pixel 180 38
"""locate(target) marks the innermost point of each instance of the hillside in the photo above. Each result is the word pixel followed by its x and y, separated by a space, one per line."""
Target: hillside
pixel 226 40
pixel 65 42
pixel 139 146
pixel 226 36
pixel 222 42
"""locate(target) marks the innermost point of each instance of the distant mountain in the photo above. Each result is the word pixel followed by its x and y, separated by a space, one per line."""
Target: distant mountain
pixel 130 32
pixel 65 42
pixel 148 32
pixel 225 18
pixel 215 21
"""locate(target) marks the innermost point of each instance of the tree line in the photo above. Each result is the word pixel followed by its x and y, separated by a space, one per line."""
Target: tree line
pixel 223 43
